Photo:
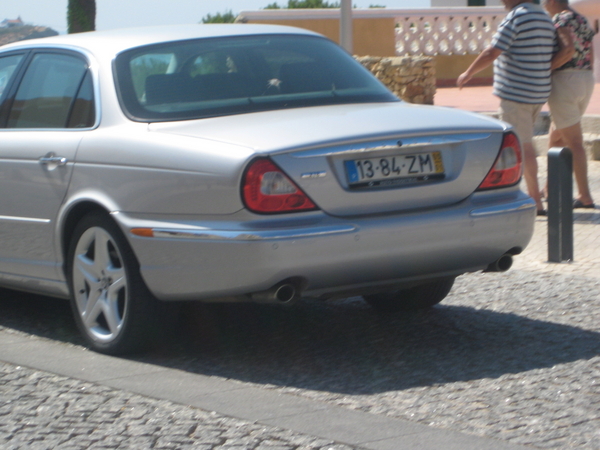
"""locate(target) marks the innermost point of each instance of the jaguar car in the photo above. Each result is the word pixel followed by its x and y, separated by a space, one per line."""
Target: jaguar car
pixel 238 163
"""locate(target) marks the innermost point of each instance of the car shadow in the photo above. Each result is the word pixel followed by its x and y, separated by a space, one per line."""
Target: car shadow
pixel 346 347
pixel 342 346
pixel 46 317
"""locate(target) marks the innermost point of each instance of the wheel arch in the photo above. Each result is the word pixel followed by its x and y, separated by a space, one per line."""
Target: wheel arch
pixel 69 220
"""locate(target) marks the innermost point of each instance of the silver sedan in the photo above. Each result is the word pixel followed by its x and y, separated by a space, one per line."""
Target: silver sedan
pixel 237 163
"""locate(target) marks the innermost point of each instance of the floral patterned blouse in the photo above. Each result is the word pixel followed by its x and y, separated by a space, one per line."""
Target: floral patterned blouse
pixel 582 34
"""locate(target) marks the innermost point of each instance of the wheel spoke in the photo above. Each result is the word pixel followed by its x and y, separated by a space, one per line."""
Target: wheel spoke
pixel 93 308
pixel 101 256
pixel 118 282
pixel 87 269
pixel 112 315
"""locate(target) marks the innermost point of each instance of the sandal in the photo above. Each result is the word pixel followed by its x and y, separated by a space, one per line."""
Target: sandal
pixel 579 204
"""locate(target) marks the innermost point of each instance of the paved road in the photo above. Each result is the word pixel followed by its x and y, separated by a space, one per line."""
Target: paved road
pixel 506 360
pixel 481 99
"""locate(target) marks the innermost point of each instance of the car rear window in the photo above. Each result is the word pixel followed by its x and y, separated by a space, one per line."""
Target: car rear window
pixel 235 75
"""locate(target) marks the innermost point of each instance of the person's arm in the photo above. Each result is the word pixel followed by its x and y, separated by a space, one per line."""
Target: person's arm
pixel 566 48
pixel 485 59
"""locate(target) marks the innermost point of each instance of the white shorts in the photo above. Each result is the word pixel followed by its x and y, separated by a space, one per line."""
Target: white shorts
pixel 570 96
pixel 521 116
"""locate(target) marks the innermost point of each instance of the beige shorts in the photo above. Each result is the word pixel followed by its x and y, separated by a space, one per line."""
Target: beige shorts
pixel 521 116
pixel 570 96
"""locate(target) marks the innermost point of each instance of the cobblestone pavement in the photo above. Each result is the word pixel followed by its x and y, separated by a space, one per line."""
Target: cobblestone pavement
pixel 513 356
pixel 44 411
pixel 586 235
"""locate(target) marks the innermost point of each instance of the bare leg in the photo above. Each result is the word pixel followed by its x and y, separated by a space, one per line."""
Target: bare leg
pixel 572 138
pixel 530 172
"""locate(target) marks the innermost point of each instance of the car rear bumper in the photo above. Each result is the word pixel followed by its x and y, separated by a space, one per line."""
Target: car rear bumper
pixel 195 261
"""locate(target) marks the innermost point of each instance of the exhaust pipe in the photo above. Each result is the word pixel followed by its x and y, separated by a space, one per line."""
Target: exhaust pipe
pixel 502 264
pixel 285 293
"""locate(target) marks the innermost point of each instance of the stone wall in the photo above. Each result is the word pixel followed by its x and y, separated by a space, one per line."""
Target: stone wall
pixel 412 78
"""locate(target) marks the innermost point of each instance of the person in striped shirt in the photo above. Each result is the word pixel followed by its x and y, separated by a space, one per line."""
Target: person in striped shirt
pixel 521 51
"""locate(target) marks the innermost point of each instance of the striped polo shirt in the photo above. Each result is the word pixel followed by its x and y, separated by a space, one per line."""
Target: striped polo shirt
pixel 527 38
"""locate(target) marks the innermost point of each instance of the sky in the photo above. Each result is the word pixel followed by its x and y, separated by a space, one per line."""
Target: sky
pixel 125 13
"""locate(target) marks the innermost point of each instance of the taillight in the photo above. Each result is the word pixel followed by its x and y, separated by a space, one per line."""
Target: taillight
pixel 267 190
pixel 508 167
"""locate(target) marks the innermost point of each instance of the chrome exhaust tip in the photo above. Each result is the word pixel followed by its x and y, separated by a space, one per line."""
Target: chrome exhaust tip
pixel 283 293
pixel 502 264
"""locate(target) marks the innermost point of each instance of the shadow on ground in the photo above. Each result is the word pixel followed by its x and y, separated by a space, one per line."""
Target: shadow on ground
pixel 589 217
pixel 342 346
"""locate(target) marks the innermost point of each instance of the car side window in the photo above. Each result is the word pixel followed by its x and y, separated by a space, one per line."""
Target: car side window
pixel 8 64
pixel 83 114
pixel 48 91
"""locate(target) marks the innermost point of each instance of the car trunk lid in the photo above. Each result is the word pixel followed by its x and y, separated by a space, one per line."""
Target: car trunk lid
pixel 367 159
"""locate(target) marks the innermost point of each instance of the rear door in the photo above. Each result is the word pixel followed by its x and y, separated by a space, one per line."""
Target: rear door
pixel 44 110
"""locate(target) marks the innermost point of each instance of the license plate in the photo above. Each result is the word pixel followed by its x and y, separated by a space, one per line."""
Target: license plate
pixel 394 170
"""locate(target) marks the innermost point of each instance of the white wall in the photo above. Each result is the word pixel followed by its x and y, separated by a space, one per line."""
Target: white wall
pixel 444 3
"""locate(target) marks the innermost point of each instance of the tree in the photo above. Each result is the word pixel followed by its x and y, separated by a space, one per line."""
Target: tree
pixel 298 4
pixel 81 15
pixel 226 17
pixel 305 4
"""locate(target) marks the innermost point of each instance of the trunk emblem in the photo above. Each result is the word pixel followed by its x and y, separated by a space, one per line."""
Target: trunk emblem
pixel 313 175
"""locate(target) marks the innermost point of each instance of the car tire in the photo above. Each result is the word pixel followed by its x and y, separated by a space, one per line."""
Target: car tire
pixel 412 299
pixel 112 306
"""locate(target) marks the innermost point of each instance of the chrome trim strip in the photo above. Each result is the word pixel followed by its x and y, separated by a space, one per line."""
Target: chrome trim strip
pixel 24 219
pixel 321 174
pixel 504 208
pixel 247 235
pixel 392 144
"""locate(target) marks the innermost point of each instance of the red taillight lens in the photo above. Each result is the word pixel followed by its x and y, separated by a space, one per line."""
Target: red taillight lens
pixel 508 167
pixel 267 190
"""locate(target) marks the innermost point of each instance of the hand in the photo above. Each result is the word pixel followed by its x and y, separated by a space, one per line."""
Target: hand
pixel 463 79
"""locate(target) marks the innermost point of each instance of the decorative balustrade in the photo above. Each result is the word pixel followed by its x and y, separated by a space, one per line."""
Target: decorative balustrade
pixel 446 31
pixel 431 31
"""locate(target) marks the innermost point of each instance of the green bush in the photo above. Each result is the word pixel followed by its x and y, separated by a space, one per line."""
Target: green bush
pixel 305 4
pixel 226 17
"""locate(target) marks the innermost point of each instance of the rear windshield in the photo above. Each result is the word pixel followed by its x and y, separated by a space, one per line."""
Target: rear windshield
pixel 235 75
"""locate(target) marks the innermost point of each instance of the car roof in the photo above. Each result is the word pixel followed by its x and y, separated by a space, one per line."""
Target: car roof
pixel 118 40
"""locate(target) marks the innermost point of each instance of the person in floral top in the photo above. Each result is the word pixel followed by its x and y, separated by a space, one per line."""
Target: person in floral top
pixel 572 87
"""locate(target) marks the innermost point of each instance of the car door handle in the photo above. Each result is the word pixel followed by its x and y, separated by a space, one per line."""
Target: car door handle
pixel 55 160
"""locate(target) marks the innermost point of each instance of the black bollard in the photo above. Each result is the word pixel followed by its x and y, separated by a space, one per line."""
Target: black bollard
pixel 560 204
